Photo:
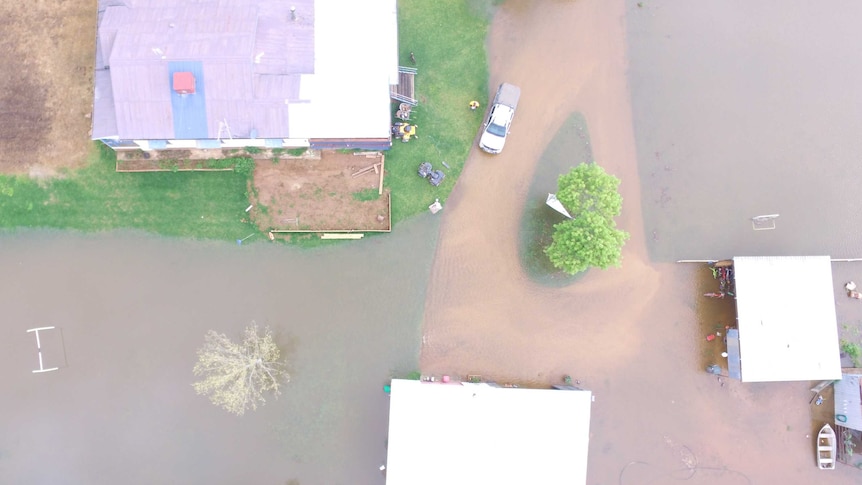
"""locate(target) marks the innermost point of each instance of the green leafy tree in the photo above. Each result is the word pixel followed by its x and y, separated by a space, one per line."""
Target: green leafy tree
pixel 237 375
pixel 590 238
pixel 586 241
pixel 588 188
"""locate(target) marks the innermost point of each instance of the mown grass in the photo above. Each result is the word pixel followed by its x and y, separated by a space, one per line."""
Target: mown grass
pixel 447 38
pixel 96 198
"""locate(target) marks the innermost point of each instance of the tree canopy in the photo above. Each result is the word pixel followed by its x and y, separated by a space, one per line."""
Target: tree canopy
pixel 590 238
pixel 588 188
pixel 237 375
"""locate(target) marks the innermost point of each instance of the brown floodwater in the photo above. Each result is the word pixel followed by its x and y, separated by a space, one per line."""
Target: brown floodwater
pixel 130 312
pixel 633 335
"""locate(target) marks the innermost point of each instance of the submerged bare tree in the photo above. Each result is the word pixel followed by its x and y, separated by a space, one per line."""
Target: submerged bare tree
pixel 237 375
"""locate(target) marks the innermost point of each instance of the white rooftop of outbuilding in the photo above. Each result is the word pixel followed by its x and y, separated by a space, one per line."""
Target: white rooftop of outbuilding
pixel 469 433
pixel 785 307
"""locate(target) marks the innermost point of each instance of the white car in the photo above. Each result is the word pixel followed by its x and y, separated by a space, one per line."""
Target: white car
pixel 499 119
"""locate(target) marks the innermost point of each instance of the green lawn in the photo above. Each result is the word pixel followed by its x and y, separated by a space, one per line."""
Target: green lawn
pixel 187 204
pixel 447 38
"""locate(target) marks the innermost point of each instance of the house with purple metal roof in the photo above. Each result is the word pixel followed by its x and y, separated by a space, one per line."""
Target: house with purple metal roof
pixel 238 73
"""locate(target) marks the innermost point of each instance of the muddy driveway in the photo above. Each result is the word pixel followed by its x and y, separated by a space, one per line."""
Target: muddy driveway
pixel 631 334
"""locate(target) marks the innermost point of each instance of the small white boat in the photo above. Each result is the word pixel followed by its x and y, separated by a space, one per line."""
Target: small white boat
pixel 827 448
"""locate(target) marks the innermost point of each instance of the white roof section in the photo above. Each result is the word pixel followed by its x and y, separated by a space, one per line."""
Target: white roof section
pixel 785 308
pixel 355 62
pixel 472 434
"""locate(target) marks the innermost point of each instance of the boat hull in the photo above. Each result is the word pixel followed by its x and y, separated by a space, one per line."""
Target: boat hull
pixel 827 448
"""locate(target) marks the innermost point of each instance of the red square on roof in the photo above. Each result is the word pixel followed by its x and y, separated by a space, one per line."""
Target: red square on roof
pixel 184 82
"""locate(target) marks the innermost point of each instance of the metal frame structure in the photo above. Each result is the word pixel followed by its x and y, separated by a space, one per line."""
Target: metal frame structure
pixel 39 350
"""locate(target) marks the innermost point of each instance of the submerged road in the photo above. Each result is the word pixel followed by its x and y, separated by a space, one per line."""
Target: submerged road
pixel 631 334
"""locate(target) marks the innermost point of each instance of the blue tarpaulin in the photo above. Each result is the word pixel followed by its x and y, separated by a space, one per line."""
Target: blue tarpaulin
pixel 189 110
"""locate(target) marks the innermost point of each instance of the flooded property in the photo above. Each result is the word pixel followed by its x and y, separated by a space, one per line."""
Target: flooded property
pixel 666 95
pixel 130 312
pixel 710 114
pixel 743 110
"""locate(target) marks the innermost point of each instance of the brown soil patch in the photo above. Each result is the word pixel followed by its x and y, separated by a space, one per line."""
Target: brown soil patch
pixel 320 194
pixel 46 83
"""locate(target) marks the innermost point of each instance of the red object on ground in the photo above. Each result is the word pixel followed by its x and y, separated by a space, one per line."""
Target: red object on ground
pixel 445 378
pixel 710 338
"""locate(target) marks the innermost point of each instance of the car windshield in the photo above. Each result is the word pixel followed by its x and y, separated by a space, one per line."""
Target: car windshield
pixel 497 130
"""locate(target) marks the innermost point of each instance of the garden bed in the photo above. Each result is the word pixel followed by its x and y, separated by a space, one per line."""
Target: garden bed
pixel 181 165
pixel 199 160
pixel 339 192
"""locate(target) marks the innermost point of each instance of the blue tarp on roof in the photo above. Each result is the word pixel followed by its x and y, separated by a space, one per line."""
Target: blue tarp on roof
pixel 189 110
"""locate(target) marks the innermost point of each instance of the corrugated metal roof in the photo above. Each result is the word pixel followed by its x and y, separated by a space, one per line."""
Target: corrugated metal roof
pixel 788 329
pixel 476 433
pixel 848 401
pixel 104 119
pixel 273 34
pixel 257 61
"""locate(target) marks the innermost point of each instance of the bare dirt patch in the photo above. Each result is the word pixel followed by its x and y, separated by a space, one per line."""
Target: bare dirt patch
pixel 46 83
pixel 320 194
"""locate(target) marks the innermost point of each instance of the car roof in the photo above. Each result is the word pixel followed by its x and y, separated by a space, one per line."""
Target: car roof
pixel 502 111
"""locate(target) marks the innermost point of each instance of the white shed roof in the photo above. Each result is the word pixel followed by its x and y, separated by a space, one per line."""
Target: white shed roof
pixel 786 317
pixel 476 433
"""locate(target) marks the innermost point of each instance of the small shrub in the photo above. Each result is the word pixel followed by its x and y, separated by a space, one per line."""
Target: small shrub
pixel 852 350
pixel 7 186
pixel 220 162
pixel 253 150
pixel 244 166
pixel 296 152
pixel 170 164
pixel 278 151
